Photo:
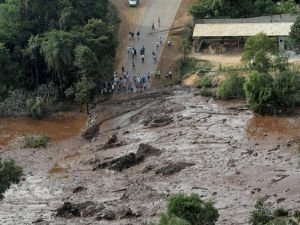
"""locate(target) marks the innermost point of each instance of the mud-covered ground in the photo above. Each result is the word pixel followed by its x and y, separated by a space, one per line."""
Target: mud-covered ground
pixel 218 150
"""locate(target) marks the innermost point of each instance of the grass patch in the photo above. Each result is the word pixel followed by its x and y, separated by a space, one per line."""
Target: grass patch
pixel 36 141
pixel 205 82
pixel 192 65
pixel 208 92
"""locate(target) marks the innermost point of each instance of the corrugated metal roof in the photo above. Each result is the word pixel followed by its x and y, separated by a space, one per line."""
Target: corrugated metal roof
pixel 241 29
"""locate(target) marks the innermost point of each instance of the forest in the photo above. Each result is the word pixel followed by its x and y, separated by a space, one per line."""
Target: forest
pixel 55 49
pixel 242 8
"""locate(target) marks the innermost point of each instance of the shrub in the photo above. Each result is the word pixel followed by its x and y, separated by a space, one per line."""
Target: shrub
pixel 36 141
pixel 205 82
pixel 260 215
pixel 192 209
pixel 282 221
pixel 9 174
pixel 259 91
pixel 280 212
pixel 36 107
pixel 208 92
pixel 166 219
pixel 231 87
pixel 14 103
pixel 285 87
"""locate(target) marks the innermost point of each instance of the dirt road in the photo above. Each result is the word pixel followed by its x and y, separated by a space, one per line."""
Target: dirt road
pixel 151 10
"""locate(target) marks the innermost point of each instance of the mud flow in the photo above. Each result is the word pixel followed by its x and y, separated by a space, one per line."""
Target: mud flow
pixel 57 128
pixel 152 147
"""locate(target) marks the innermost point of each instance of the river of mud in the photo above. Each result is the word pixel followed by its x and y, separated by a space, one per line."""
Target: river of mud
pixel 58 128
pixel 220 151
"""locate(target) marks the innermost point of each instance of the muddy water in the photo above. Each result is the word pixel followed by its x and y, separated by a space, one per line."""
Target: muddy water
pixel 263 126
pixel 57 128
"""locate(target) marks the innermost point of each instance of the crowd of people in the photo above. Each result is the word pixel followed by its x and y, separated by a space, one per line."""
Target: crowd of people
pixel 129 82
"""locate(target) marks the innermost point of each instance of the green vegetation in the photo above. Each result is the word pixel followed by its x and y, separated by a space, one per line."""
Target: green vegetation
pixel 295 34
pixel 35 141
pixel 266 94
pixel 188 210
pixel 186 43
pixel 205 82
pixel 36 107
pixel 10 173
pixel 262 216
pixel 52 45
pixel 258 51
pixel 241 8
pixel 191 65
pixel 231 87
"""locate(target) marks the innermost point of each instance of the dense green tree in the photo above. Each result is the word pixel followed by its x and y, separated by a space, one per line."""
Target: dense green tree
pixel 56 47
pixel 285 87
pixel 38 39
pixel 235 8
pixel 83 91
pixel 258 52
pixel 33 50
pixel 87 63
pixel 259 91
pixel 295 34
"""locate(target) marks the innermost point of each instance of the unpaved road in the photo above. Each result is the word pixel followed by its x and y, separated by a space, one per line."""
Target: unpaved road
pixel 149 11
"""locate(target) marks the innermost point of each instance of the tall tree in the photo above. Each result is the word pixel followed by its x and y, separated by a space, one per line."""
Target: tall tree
pixel 33 50
pixel 56 47
pixel 87 63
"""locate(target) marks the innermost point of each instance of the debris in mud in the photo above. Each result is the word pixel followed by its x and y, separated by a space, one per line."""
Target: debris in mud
pixel 148 168
pixel 85 209
pixel 160 120
pixel 122 212
pixel 40 221
pixel 172 168
pixel 131 159
pixel 91 132
pixel 79 189
pixel 113 142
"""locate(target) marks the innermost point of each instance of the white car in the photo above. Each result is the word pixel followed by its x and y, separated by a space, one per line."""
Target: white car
pixel 133 2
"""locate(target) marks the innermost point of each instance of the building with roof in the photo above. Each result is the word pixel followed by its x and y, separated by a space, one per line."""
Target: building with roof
pixel 240 30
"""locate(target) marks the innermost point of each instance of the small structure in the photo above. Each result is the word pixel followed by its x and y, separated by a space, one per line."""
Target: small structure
pixel 227 33
pixel 219 32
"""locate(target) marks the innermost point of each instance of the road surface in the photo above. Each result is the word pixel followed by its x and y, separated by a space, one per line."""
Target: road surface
pixel 153 9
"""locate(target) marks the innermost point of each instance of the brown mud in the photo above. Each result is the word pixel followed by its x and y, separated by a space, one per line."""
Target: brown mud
pixel 58 128
pixel 205 148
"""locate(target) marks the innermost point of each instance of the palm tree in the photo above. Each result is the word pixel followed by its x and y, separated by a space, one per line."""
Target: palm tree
pixel 33 49
pixel 216 3
pixel 57 52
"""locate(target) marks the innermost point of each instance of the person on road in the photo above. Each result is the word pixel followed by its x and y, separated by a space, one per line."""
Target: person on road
pixel 170 74
pixel 154 59
pixel 133 66
pixel 157 45
pixel 143 58
pixel 169 43
pixel 158 20
pixel 153 26
pixel 138 35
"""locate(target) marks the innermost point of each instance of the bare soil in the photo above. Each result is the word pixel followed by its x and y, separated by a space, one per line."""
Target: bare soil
pixel 219 150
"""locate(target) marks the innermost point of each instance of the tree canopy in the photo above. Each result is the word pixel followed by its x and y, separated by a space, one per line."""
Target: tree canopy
pixel 53 40
pixel 241 8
